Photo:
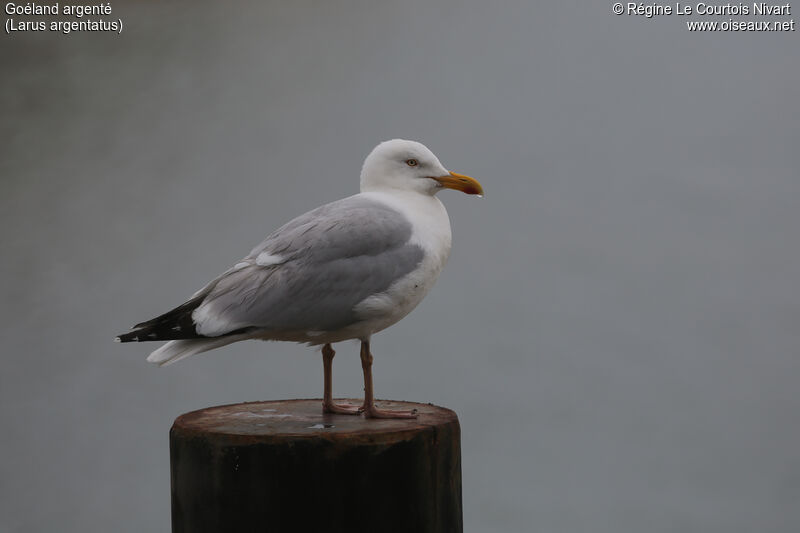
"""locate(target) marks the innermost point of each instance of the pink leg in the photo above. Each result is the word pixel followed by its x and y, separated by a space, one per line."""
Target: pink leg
pixel 370 411
pixel 327 401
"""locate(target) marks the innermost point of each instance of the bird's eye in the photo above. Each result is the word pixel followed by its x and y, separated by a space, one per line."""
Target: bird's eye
pixel 412 162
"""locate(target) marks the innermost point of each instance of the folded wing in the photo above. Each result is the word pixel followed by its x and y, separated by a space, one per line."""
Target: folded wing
pixel 307 276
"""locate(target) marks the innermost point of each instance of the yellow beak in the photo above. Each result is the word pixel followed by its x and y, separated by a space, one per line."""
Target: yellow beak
pixel 460 182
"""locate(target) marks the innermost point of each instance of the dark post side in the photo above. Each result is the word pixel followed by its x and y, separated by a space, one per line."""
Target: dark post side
pixel 284 466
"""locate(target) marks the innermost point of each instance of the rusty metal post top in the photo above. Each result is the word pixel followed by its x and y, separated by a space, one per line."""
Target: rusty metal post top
pixel 282 419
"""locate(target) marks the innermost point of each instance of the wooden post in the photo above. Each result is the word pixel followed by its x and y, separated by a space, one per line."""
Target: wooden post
pixel 284 466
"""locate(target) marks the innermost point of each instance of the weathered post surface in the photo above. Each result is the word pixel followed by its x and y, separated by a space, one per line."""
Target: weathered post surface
pixel 284 466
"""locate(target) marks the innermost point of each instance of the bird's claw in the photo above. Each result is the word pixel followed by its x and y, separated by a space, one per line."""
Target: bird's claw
pixel 374 412
pixel 341 409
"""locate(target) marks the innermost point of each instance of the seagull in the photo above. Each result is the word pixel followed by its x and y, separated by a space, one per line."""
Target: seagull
pixel 345 270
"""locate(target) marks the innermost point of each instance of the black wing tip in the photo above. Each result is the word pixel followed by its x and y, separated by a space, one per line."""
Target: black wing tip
pixel 172 325
pixel 161 332
pixel 133 336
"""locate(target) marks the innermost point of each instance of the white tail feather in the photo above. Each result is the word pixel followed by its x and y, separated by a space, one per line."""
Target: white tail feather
pixel 174 351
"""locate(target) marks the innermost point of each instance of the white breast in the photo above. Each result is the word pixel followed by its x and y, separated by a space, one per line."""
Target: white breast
pixel 431 232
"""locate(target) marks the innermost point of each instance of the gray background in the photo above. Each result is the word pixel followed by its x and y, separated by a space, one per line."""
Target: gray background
pixel 618 324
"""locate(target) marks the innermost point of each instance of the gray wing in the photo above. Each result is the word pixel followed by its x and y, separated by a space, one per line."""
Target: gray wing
pixel 310 274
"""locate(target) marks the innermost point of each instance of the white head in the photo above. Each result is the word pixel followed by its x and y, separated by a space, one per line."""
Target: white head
pixel 408 165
